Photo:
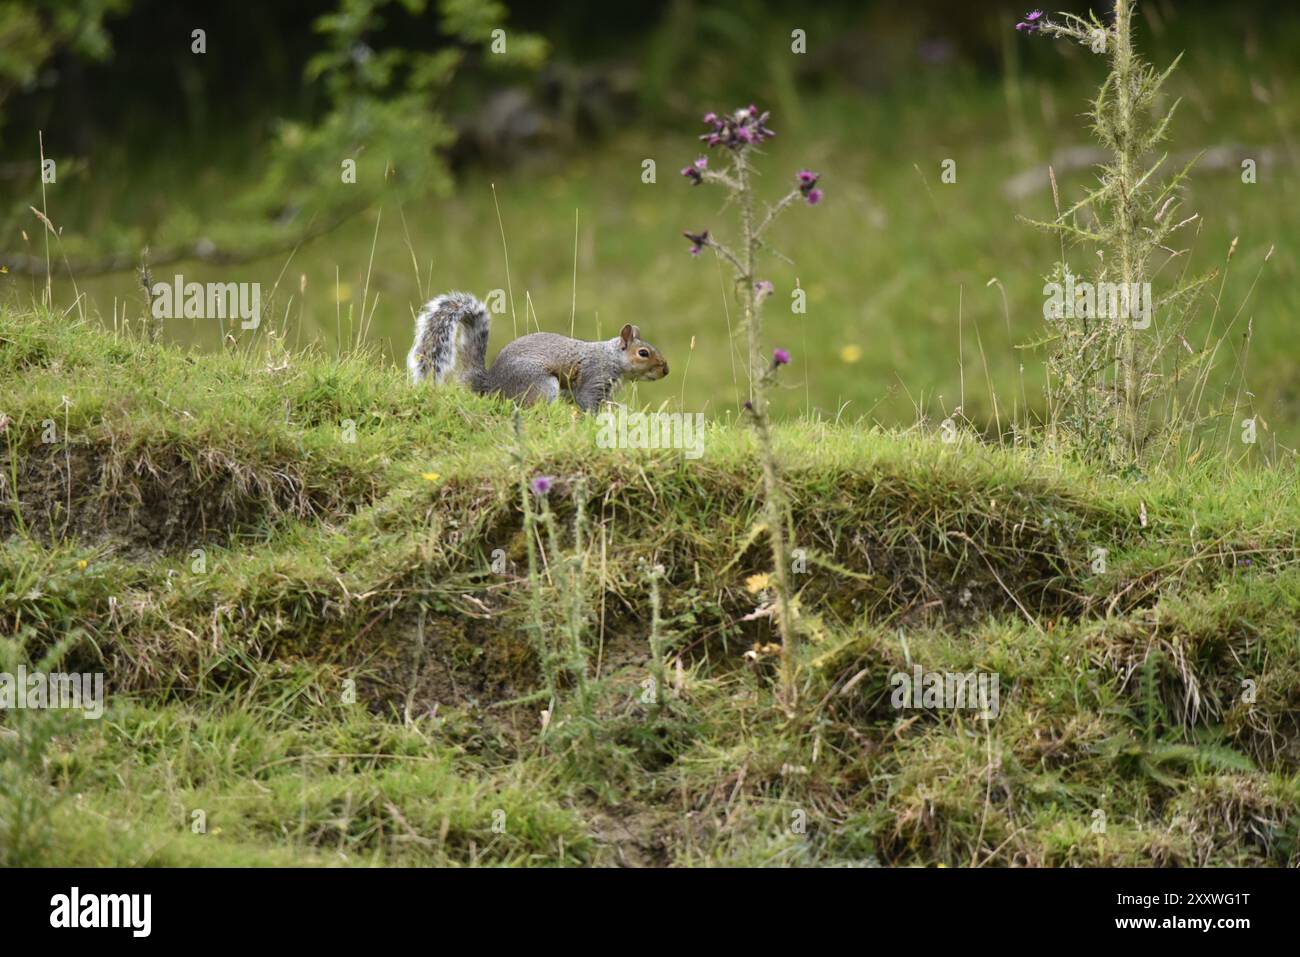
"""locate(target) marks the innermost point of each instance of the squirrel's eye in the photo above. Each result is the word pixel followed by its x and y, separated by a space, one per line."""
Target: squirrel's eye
pixel 643 353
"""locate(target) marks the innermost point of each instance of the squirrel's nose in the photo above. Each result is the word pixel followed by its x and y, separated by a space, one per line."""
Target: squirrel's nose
pixel 665 368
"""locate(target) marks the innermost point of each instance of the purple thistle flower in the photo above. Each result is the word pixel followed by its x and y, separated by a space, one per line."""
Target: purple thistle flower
pixel 762 289
pixel 744 127
pixel 541 485
pixel 780 358
pixel 1031 23
pixel 698 241
pixel 695 172
pixel 808 186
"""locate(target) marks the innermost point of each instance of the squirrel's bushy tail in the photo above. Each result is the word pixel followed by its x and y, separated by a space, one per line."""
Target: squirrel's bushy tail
pixel 441 327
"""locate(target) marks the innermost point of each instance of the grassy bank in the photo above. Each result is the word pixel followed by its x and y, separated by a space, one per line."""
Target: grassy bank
pixel 307 584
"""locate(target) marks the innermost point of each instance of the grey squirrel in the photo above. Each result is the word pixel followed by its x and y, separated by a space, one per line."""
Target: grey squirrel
pixel 454 326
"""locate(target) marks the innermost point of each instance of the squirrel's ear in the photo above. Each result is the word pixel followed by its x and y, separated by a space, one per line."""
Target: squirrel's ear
pixel 628 334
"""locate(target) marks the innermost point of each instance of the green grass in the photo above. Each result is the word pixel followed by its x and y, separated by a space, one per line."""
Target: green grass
pixel 896 264
pixel 306 642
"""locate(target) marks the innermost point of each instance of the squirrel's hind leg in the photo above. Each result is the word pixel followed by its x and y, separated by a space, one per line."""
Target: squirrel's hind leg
pixel 545 389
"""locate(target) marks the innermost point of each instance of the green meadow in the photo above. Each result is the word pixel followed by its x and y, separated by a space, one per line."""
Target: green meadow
pixel 338 628
pixel 922 296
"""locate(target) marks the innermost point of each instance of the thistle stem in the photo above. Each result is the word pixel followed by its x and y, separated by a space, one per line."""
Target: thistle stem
pixel 773 499
pixel 1127 411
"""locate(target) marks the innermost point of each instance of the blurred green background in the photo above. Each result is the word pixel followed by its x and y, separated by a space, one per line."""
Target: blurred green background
pixel 228 162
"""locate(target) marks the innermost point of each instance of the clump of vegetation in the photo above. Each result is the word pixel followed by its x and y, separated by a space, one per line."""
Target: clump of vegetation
pixel 1119 352
pixel 28 736
pixel 387 107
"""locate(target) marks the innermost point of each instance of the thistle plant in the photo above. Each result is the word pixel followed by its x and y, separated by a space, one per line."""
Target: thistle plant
pixel 569 577
pixel 658 668
pixel 557 581
pixel 546 657
pixel 1108 365
pixel 737 136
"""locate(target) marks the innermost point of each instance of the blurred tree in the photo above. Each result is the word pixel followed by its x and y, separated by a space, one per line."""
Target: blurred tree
pixel 385 132
pixel 31 32
pixel 386 105
pixel 382 135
